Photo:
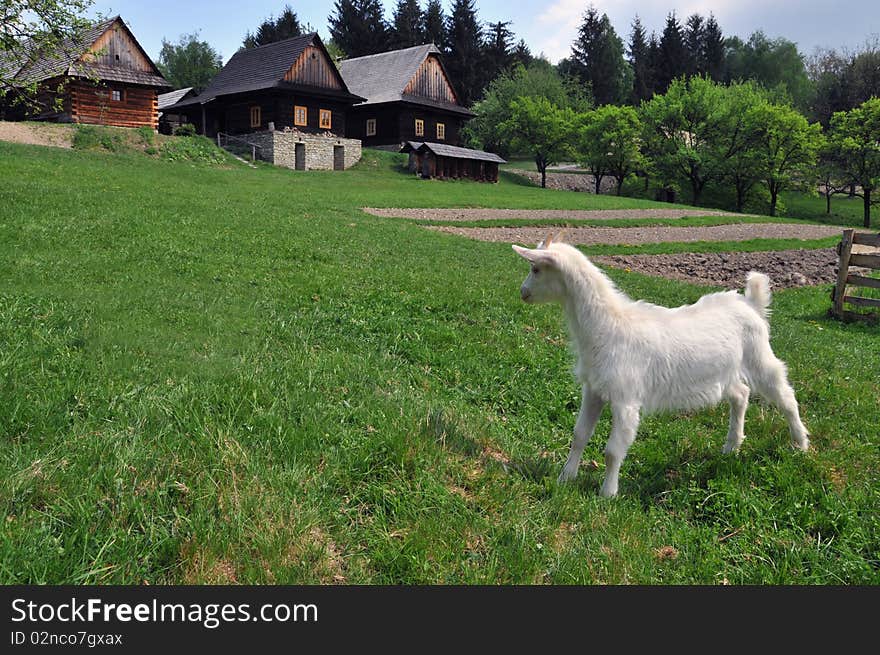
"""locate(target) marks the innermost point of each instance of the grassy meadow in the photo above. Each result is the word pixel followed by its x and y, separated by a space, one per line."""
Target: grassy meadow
pixel 219 374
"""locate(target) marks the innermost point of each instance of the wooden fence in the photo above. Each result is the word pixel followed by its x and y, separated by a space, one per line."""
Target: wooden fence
pixel 845 278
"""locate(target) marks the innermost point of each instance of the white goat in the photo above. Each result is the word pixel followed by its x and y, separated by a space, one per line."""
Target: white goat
pixel 641 357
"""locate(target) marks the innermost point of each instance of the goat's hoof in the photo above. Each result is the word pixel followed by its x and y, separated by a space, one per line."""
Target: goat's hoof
pixel 566 476
pixel 803 445
pixel 730 448
pixel 607 493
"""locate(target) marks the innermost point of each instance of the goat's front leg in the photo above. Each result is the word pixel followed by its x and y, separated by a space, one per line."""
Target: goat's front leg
pixel 625 424
pixel 591 409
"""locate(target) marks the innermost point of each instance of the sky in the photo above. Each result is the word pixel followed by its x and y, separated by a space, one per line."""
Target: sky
pixel 549 27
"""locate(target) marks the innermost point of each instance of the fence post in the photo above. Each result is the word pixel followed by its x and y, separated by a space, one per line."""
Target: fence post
pixel 844 249
pixel 218 140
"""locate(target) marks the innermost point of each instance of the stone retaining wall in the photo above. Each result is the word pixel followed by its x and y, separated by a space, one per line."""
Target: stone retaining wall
pixel 279 148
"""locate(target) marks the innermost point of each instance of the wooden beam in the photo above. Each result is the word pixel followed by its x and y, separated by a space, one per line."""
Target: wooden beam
pixel 862 281
pixel 866 239
pixel 844 248
pixel 868 261
pixel 862 302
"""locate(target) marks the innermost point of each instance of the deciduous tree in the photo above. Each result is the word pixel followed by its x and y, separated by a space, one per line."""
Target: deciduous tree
pixel 608 142
pixel 538 126
pixel 189 62
pixel 855 139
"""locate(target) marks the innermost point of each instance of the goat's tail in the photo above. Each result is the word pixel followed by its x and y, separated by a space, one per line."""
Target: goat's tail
pixel 758 292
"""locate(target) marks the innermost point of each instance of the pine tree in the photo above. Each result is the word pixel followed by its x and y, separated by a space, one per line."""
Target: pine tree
pixel 597 59
pixel 671 56
pixel 640 61
pixel 407 25
pixel 695 38
pixel 465 58
pixel 359 28
pixel 713 49
pixel 521 54
pixel 272 29
pixel 498 55
pixel 434 25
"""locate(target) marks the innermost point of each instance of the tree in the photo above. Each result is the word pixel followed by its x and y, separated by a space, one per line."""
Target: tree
pixel 830 174
pixel 521 56
pixel 189 62
pixel 855 139
pixel 713 50
pixel 740 137
pixel 540 79
pixel 682 133
pixel 538 126
pixel 695 42
pixel 497 54
pixel 408 27
pixel 435 24
pixel 608 143
pixel 597 59
pixel 31 30
pixel 465 48
pixel 359 28
pixel 789 148
pixel 672 55
pixel 272 29
pixel 774 63
pixel 640 62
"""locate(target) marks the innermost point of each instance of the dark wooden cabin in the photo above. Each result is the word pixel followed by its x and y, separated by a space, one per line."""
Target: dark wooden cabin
pixel 443 161
pixel 104 77
pixel 291 83
pixel 168 122
pixel 409 97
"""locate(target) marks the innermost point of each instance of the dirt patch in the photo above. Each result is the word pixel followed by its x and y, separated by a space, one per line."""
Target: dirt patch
pixel 786 268
pixel 459 215
pixel 640 235
pixel 41 134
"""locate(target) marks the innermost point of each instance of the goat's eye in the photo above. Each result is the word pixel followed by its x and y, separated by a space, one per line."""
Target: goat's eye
pixel 535 270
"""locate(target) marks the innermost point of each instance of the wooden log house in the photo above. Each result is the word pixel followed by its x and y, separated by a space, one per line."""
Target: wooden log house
pixel 291 84
pixel 104 77
pixel 410 97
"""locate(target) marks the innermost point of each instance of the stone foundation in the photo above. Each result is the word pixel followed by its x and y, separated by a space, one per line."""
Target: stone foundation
pixel 317 151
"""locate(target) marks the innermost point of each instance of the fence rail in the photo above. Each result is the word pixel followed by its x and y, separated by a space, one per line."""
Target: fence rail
pixel 239 146
pixel 848 258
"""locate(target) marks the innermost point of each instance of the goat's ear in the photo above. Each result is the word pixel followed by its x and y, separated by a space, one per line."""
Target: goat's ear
pixel 535 256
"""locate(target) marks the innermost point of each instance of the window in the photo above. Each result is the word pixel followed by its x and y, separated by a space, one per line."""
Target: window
pixel 420 127
pixel 371 127
pixel 325 119
pixel 255 116
pixel 117 95
pixel 441 131
pixel 300 115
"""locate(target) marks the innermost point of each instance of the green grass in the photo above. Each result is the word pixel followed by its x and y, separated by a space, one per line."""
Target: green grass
pixel 684 221
pixel 234 375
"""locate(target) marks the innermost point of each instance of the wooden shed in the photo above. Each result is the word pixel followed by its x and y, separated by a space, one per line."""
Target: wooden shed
pixel 104 77
pixel 443 161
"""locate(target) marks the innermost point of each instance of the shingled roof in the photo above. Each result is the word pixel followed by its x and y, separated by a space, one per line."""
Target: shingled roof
pixel 445 150
pixel 384 77
pixel 172 97
pixel 264 67
pixel 33 67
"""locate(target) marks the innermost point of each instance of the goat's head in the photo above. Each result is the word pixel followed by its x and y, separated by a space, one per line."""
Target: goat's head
pixel 544 282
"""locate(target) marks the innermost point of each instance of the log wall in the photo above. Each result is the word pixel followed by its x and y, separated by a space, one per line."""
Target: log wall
pixel 93 104
pixel 314 69
pixel 431 82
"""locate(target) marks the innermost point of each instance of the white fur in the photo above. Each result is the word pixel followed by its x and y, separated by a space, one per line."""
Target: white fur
pixel 643 358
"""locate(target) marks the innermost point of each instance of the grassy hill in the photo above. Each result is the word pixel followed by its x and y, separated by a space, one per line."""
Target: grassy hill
pixel 226 374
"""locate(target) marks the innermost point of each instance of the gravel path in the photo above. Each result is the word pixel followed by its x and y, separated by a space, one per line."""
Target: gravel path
pixel 457 215
pixel 639 235
pixel 786 268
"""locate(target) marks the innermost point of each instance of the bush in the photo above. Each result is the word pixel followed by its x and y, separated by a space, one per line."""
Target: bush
pixel 193 148
pixel 187 129
pixel 147 135
pixel 94 137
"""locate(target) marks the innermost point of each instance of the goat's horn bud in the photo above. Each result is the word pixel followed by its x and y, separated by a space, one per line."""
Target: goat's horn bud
pixel 559 235
pixel 548 240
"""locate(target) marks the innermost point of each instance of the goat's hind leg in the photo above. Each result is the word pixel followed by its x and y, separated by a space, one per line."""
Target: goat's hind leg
pixel 738 396
pixel 772 383
pixel 591 409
